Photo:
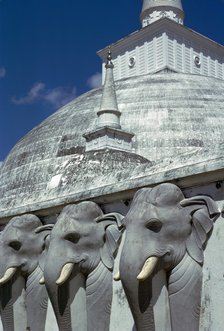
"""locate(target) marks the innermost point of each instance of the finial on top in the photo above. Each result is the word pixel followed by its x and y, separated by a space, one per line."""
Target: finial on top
pixel 109 63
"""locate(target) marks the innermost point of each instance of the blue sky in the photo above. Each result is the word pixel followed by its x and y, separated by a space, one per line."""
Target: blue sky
pixel 48 52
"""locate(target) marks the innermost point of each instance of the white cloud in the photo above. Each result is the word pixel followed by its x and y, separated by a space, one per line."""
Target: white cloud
pixel 57 97
pixel 95 80
pixel 2 72
pixel 33 95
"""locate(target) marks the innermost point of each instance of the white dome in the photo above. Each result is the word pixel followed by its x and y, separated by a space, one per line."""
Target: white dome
pixel 170 114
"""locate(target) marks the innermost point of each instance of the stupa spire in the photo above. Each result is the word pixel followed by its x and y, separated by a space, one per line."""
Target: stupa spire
pixel 109 115
pixel 153 10
pixel 108 133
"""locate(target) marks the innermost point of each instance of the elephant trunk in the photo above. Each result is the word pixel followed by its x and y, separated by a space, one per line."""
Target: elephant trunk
pixel 139 293
pixel 6 309
pixel 11 297
pixel 36 309
pixel 58 294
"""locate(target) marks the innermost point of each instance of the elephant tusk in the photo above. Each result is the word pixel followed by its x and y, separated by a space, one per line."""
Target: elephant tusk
pixel 10 272
pixel 65 273
pixel 148 268
pixel 117 276
pixel 42 281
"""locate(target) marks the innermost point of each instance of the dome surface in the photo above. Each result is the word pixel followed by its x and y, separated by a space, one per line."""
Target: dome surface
pixel 169 113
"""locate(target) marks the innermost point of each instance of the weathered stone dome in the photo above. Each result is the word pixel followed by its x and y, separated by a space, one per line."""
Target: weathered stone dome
pixel 169 113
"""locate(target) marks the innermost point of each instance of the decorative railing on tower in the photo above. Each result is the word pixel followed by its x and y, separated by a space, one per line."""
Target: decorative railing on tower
pixel 153 10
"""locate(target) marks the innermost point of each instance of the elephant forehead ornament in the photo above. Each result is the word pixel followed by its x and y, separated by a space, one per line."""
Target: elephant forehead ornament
pixel 83 242
pixel 166 231
pixel 22 253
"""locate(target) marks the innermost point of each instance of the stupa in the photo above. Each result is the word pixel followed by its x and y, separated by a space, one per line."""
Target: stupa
pixel 157 119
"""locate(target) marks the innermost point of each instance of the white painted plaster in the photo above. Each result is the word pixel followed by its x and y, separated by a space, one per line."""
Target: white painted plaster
pixel 54 182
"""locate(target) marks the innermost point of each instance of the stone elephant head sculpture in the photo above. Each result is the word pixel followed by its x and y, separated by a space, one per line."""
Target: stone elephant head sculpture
pixel 166 231
pixel 22 253
pixel 84 241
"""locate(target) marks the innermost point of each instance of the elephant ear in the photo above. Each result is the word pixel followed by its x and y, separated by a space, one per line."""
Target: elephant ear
pixel 113 231
pixel 44 233
pixel 112 218
pixel 204 212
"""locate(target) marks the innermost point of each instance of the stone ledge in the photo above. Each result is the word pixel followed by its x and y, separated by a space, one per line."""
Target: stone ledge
pixel 188 175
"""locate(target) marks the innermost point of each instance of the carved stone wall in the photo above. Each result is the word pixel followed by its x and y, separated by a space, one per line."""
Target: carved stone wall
pixel 207 199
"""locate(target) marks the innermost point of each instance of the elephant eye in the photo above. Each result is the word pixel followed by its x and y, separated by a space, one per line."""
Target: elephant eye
pixel 16 245
pixel 73 237
pixel 154 225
